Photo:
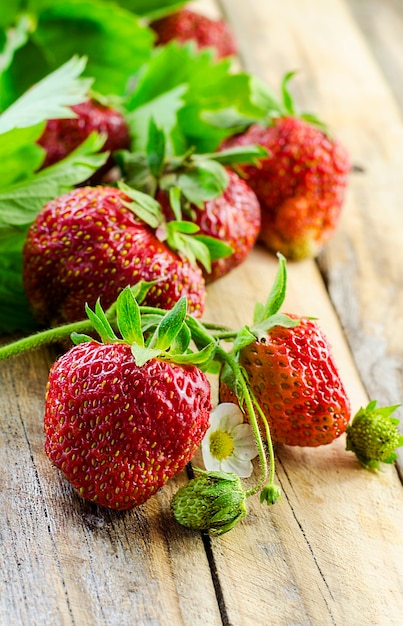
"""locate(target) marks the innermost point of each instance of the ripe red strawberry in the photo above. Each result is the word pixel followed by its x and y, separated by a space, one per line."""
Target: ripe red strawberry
pixel 186 25
pixel 300 184
pixel 119 431
pixel 62 136
pixel 87 243
pixel 292 373
pixel 233 217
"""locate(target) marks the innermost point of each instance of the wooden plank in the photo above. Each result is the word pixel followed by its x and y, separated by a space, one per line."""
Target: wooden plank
pixel 381 22
pixel 339 80
pixel 65 561
pixel 341 524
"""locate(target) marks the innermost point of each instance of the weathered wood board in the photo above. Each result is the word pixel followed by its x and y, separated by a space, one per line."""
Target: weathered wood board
pixel 332 551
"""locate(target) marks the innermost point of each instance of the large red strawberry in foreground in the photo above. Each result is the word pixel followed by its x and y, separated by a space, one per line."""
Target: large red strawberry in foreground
pixel 294 378
pixel 89 243
pixel 125 415
pixel 300 184
pixel 119 431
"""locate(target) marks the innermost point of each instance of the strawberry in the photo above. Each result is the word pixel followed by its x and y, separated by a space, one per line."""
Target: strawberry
pixel 62 136
pixel 300 184
pixel 202 189
pixel 214 501
pixel 89 242
pixel 233 217
pixel 186 25
pixel 121 419
pixel 373 435
pixel 295 380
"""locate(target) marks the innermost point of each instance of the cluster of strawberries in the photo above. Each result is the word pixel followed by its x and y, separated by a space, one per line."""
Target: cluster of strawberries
pixel 118 423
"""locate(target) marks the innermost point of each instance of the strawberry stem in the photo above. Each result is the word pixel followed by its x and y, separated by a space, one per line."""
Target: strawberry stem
pixel 250 403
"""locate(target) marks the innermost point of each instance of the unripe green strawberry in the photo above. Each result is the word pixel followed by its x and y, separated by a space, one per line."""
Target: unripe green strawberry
pixel 213 501
pixel 119 431
pixel 374 436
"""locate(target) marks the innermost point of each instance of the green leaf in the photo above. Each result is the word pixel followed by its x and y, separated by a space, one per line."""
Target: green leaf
pixel 128 317
pixel 169 326
pixel 100 323
pixel 277 319
pixel 217 248
pixel 195 250
pixel 78 338
pixel 276 295
pixel 204 182
pixel 20 156
pixel 113 38
pixel 140 289
pixel 163 108
pixel 155 149
pixel 135 171
pixel 152 8
pixel 182 226
pixel 180 236
pixel 175 202
pixel 243 338
pixel 21 202
pixel 14 38
pixel 50 98
pixel 9 12
pixel 238 154
pixel 287 98
pixel 192 97
pixel 143 205
pixel 202 358
pixel 181 342
pixel 143 354
pixel 14 310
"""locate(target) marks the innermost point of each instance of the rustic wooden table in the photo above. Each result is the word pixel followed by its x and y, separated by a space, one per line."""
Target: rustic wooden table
pixel 332 551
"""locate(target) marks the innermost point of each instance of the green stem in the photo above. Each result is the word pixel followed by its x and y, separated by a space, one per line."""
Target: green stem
pixel 249 404
pixel 268 437
pixel 51 335
pixel 45 337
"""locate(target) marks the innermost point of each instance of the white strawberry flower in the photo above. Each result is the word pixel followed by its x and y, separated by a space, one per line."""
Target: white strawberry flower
pixel 229 444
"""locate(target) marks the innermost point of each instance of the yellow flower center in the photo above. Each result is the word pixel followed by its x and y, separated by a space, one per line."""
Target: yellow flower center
pixel 221 444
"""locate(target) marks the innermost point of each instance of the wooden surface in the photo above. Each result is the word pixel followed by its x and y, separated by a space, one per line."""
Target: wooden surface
pixel 332 551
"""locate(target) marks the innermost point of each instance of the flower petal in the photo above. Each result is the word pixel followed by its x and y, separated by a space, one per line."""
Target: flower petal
pixel 226 416
pixel 237 466
pixel 244 442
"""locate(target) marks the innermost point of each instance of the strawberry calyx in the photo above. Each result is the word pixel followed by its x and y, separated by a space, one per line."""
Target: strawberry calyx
pixel 180 235
pixel 166 336
pixel 373 435
pixel 200 177
pixel 284 106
